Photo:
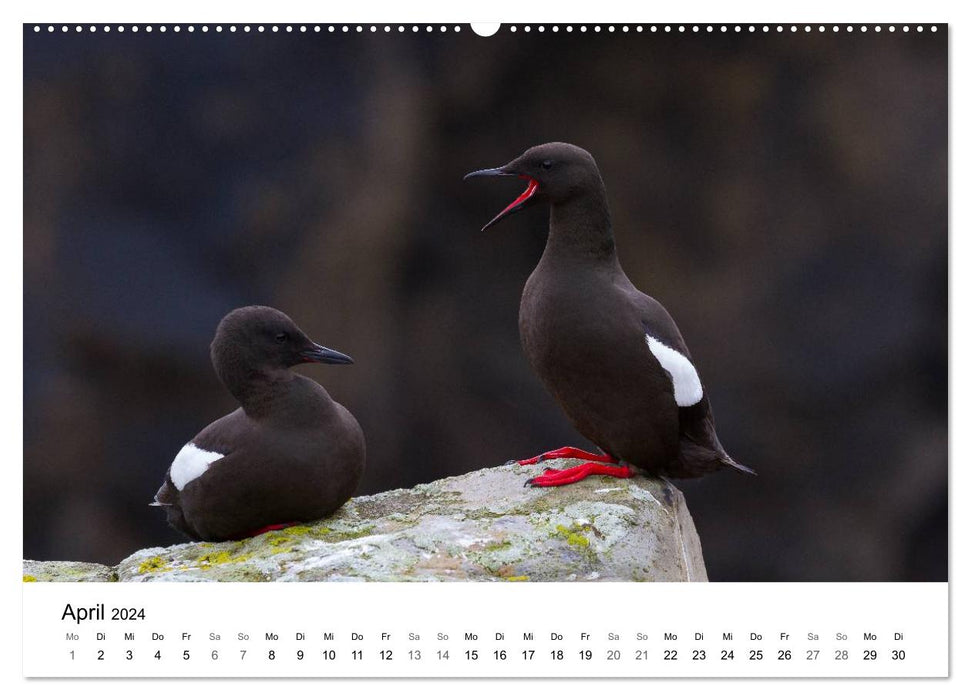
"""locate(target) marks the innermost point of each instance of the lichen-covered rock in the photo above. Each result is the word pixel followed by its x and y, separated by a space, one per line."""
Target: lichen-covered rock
pixel 481 526
pixel 67 571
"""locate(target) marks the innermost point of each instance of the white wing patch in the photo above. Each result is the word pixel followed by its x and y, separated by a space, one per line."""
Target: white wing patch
pixel 684 377
pixel 191 463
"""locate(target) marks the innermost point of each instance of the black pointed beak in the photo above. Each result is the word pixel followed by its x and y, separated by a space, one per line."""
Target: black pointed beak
pixel 318 353
pixel 489 172
pixel 518 203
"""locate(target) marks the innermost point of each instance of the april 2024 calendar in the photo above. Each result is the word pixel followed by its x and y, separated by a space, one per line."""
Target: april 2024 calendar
pixel 421 630
pixel 401 349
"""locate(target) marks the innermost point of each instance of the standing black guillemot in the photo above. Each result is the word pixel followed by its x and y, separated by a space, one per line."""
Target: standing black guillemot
pixel 289 454
pixel 611 356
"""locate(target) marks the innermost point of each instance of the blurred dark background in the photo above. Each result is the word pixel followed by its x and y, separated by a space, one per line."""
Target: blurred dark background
pixel 783 195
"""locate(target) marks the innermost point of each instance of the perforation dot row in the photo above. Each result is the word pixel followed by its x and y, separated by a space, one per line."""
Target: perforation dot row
pixel 346 28
pixel 723 28
pixel 302 28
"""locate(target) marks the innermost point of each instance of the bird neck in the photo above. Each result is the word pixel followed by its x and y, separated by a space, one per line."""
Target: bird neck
pixel 580 229
pixel 257 389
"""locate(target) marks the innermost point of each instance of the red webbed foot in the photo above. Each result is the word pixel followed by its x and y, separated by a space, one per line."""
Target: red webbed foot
pixel 568 453
pixel 561 477
pixel 271 528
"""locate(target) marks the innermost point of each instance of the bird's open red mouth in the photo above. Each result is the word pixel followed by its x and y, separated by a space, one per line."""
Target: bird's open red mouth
pixel 517 203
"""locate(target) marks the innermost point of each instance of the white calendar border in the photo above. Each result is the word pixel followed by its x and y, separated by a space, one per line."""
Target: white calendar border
pixel 538 10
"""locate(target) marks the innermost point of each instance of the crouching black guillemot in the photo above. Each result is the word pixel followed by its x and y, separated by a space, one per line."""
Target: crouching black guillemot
pixel 610 355
pixel 289 454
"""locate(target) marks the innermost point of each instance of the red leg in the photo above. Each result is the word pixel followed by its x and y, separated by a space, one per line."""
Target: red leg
pixel 271 528
pixel 561 477
pixel 568 453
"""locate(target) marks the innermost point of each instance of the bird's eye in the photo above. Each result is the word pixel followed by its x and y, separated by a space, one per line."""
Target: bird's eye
pixel 546 164
pixel 282 337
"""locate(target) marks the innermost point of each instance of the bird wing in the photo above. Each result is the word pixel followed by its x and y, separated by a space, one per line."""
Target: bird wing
pixel 701 451
pixel 665 343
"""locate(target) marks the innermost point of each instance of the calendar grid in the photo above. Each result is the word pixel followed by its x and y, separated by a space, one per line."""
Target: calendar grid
pixel 486 630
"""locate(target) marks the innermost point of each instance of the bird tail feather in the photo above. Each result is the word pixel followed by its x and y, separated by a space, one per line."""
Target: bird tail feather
pixel 740 467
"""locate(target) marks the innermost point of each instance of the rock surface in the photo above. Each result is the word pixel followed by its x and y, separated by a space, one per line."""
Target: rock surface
pixel 481 526
pixel 67 571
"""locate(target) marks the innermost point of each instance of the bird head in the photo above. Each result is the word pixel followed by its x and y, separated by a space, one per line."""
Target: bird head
pixel 555 172
pixel 260 337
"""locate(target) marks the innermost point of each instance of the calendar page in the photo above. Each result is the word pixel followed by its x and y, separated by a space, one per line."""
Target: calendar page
pixel 395 350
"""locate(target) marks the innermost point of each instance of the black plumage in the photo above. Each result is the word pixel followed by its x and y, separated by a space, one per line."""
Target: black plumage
pixel 289 454
pixel 611 356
